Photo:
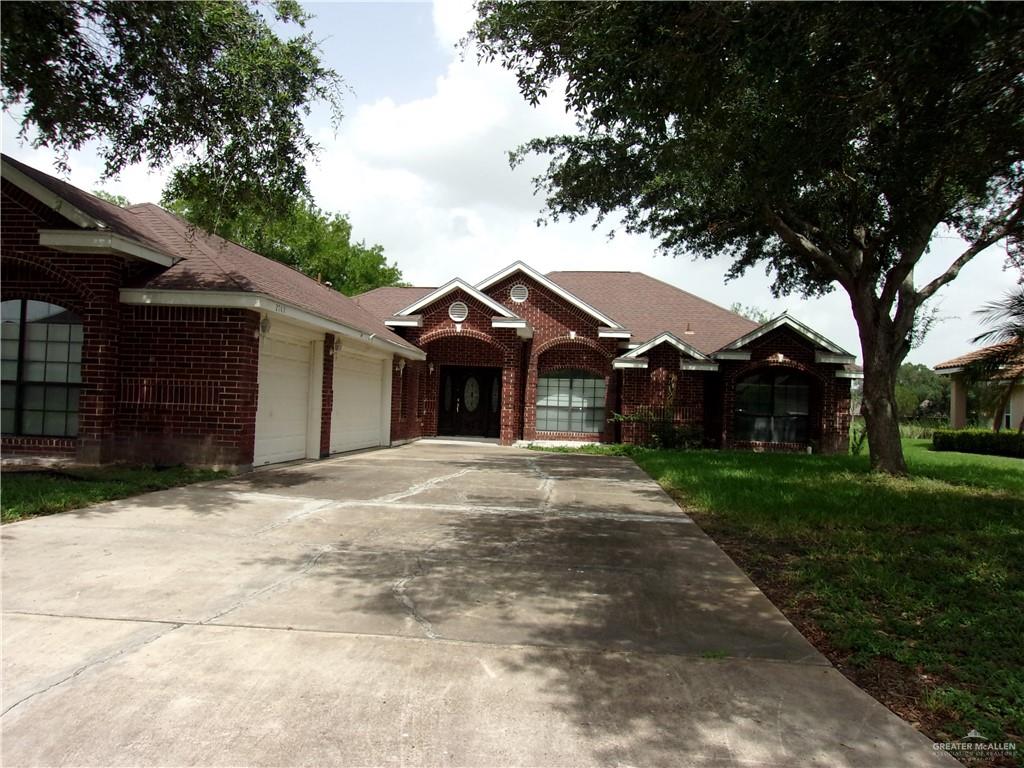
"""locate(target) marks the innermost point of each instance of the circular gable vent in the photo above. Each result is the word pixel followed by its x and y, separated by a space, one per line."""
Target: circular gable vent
pixel 458 311
pixel 519 293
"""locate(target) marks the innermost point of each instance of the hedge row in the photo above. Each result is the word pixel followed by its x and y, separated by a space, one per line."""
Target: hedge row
pixel 1006 443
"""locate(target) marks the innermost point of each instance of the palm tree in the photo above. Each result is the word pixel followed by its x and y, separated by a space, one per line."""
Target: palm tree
pixel 1004 360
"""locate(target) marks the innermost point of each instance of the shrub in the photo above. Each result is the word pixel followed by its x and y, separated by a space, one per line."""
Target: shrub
pixel 858 437
pixel 979 441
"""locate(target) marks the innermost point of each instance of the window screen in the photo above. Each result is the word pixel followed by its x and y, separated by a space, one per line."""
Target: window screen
pixel 570 401
pixel 773 407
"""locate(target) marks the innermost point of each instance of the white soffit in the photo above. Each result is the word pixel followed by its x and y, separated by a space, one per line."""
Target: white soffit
pixel 103 241
pixel 629 362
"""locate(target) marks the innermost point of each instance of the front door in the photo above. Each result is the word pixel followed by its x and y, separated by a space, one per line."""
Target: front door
pixel 470 402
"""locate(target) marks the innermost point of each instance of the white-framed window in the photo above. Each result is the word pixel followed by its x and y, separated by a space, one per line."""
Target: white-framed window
pixel 570 401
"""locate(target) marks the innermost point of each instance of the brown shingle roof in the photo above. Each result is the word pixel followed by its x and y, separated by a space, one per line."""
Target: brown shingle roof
pixel 648 307
pixel 215 264
pixel 384 302
pixel 119 220
pixel 210 263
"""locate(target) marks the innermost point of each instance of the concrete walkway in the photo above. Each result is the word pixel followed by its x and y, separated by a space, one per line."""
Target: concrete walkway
pixel 435 604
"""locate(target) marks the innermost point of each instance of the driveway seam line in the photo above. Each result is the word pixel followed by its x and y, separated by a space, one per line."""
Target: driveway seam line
pixel 811 663
pixel 97 662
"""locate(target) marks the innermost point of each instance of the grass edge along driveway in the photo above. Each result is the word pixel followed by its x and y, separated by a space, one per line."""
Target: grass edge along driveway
pixel 25 494
pixel 913 587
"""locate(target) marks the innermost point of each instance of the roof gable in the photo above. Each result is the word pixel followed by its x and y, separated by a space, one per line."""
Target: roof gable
pixel 785 321
pixel 550 285
pixel 667 338
pixel 457 285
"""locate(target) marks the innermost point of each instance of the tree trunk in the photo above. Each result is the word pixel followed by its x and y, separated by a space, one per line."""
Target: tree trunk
pixel 882 358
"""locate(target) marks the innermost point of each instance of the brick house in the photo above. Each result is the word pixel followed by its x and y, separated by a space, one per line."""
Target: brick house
pixel 527 356
pixel 129 335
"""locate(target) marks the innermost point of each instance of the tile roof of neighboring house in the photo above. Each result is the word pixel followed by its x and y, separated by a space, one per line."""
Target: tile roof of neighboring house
pixel 648 307
pixel 1015 368
pixel 384 302
pixel 210 263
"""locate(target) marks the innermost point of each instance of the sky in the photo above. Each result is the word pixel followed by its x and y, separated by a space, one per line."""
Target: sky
pixel 420 165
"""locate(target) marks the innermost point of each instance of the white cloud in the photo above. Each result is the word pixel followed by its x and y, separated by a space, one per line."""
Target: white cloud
pixel 452 20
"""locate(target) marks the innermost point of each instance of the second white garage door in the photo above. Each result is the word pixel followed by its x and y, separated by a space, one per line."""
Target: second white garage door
pixel 282 412
pixel 357 416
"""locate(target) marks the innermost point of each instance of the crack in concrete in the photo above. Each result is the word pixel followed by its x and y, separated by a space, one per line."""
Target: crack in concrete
pixel 420 487
pixel 547 484
pixel 398 589
pixel 309 565
pixel 94 663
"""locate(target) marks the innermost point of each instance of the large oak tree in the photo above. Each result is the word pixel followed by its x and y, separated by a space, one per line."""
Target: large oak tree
pixel 208 81
pixel 827 141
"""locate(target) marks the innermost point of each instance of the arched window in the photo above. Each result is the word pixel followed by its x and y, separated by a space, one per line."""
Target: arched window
pixel 42 369
pixel 773 407
pixel 570 401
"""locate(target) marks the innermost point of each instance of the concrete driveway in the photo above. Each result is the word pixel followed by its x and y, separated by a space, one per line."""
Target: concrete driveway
pixel 435 604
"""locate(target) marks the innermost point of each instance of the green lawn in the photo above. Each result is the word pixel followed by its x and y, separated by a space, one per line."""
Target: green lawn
pixel 28 494
pixel 913 586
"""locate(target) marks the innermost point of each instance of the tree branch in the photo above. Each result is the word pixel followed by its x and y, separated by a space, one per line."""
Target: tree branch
pixel 800 243
pixel 992 233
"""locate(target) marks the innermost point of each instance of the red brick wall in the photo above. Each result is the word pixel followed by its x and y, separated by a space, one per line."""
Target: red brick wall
pixel 188 385
pixel 476 344
pixel 564 336
pixel 662 386
pixel 159 384
pixel 88 285
pixel 327 396
pixel 407 400
pixel 829 401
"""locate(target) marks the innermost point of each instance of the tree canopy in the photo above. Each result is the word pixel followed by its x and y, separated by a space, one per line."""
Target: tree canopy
pixel 207 81
pixel 827 142
pixel 317 243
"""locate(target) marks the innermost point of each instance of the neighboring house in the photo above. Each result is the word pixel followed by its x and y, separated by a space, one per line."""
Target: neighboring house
pixel 129 335
pixel 527 356
pixel 960 373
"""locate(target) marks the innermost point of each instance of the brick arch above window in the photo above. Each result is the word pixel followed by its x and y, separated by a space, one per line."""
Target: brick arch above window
pixel 25 274
pixel 756 366
pixel 579 341
pixel 465 333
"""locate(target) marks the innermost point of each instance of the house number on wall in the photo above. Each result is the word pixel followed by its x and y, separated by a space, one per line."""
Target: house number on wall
pixel 471 397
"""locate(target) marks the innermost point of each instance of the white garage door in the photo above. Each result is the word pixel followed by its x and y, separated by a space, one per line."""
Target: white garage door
pixel 356 417
pixel 282 412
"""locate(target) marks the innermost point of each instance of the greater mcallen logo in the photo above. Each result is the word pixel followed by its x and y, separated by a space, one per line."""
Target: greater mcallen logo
pixel 974 744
